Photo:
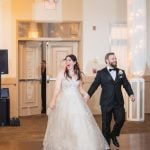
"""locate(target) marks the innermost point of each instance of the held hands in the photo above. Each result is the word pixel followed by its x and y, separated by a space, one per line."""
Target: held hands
pixel 86 97
pixel 132 98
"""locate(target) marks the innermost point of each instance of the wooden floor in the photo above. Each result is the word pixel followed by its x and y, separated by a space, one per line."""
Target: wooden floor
pixel 29 136
pixel 127 142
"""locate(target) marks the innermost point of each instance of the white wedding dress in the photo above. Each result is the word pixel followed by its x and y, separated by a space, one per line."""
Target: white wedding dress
pixel 71 125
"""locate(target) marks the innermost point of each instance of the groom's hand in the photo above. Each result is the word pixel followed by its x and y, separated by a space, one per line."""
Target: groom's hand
pixel 132 98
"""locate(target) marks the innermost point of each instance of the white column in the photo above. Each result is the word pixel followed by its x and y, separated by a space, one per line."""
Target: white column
pixel 137 55
pixel 136 110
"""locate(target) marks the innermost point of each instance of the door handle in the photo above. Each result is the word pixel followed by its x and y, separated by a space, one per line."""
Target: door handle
pixel 50 79
pixel 47 78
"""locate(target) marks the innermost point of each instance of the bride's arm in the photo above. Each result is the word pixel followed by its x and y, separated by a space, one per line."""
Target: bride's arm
pixel 56 90
pixel 83 92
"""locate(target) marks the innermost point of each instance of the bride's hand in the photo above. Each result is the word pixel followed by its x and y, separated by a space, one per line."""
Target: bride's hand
pixel 48 111
pixel 52 105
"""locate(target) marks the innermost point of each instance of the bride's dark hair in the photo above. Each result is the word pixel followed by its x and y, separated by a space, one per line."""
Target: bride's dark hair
pixel 77 70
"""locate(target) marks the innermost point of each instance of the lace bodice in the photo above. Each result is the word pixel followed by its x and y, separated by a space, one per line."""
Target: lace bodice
pixel 68 85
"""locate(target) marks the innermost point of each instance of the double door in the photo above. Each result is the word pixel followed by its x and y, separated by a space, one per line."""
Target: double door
pixel 29 62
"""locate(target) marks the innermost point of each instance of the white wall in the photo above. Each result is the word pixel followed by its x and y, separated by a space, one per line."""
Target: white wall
pixel 99 13
pixel 65 10
pixel 12 10
pixel 5 30
pixel 72 9
pixel 41 12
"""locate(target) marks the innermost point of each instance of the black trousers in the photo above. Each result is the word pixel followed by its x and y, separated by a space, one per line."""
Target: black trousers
pixel 118 112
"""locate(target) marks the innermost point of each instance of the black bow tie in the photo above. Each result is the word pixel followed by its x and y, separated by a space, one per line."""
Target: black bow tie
pixel 112 69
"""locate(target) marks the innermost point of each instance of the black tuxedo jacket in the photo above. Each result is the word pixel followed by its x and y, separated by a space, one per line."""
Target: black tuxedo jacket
pixel 110 89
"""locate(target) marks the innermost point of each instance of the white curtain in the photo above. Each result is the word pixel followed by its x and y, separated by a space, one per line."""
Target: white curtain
pixel 118 44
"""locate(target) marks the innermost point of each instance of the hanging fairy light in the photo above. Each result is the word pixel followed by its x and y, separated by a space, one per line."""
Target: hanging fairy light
pixel 137 36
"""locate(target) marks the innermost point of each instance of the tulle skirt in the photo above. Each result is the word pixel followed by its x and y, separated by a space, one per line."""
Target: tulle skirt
pixel 71 126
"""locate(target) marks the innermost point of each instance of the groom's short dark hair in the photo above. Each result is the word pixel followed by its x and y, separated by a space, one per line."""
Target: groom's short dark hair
pixel 108 54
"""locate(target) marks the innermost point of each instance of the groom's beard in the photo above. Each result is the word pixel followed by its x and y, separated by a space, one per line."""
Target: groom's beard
pixel 113 65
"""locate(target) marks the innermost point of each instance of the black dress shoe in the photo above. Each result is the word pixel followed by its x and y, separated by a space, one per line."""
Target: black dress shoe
pixel 115 141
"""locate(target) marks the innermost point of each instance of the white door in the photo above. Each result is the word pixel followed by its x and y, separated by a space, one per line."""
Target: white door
pixel 55 53
pixel 29 78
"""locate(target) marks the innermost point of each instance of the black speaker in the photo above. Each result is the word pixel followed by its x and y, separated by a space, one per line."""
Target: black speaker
pixel 4 107
pixel 14 122
pixel 4 93
pixel 3 61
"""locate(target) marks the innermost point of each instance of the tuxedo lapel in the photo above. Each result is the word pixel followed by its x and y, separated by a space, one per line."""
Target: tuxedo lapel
pixel 117 77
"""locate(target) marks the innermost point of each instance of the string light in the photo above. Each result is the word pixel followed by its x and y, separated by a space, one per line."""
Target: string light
pixel 137 36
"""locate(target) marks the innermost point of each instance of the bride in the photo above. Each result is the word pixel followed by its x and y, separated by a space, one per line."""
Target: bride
pixel 71 125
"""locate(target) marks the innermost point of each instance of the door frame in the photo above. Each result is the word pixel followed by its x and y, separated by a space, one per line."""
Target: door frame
pixel 18 39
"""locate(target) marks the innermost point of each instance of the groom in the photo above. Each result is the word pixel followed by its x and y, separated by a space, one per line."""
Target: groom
pixel 111 80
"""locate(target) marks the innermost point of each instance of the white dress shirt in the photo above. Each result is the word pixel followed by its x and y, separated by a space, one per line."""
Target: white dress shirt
pixel 112 73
